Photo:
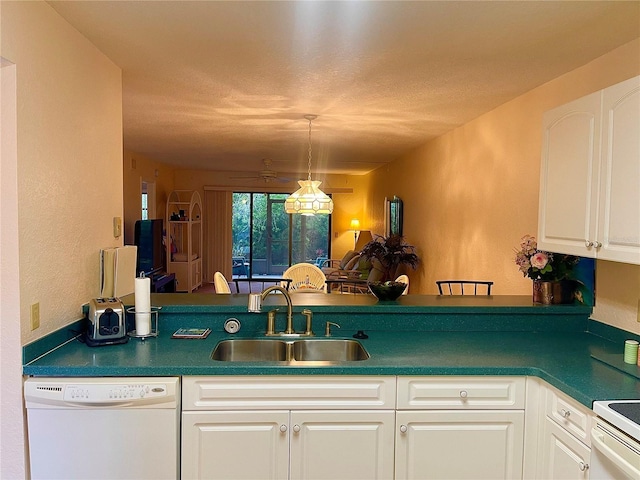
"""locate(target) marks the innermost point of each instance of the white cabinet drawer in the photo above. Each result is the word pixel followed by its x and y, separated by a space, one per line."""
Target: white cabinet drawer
pixel 571 415
pixel 461 393
pixel 273 392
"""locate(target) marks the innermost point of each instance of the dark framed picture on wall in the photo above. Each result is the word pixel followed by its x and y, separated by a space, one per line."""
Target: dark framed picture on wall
pixel 393 216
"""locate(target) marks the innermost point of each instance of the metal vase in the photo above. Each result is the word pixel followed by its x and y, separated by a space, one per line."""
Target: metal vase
pixel 552 293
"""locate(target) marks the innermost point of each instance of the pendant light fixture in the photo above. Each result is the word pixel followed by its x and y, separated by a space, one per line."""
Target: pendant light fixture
pixel 309 199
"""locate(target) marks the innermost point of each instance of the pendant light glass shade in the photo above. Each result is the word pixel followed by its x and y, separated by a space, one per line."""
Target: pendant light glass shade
pixel 309 199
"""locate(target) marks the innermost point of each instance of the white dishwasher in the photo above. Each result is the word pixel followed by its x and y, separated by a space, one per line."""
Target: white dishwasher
pixel 103 428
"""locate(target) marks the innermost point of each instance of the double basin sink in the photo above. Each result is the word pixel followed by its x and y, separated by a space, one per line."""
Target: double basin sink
pixel 292 351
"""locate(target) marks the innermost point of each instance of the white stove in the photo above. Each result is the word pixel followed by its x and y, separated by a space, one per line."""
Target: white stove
pixel 622 414
pixel 615 440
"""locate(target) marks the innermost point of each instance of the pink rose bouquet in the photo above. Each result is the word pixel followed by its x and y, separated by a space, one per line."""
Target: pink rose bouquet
pixel 539 265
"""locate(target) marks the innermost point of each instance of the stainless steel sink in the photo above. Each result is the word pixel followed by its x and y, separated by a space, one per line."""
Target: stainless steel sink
pixel 250 350
pixel 334 350
pixel 291 351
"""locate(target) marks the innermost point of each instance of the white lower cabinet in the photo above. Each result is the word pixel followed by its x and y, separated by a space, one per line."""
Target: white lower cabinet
pixel 563 456
pixel 281 444
pixel 323 428
pixel 565 444
pixel 230 445
pixel 459 445
pixel 369 427
pixel 342 444
pixel 460 427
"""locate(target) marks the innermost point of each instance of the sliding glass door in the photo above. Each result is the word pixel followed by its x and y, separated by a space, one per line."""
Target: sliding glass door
pixel 266 240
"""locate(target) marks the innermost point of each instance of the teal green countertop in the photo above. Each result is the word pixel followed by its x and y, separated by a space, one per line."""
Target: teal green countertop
pixel 418 335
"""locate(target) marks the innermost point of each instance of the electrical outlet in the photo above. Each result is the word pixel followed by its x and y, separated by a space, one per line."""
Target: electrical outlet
pixel 35 316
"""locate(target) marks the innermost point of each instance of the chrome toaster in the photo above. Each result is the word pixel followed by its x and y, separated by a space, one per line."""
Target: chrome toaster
pixel 106 322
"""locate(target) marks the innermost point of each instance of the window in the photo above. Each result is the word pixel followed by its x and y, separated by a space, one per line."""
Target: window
pixel 145 207
pixel 266 240
pixel 147 200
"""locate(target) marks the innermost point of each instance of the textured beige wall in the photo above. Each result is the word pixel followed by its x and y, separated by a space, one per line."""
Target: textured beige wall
pixel 136 169
pixel 471 194
pixel 347 206
pixel 69 130
pixel 68 158
pixel 12 464
pixel 618 295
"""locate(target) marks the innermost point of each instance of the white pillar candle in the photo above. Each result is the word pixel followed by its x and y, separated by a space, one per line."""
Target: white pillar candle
pixel 143 305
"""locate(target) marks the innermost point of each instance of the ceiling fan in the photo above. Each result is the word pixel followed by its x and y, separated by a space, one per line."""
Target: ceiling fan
pixel 266 174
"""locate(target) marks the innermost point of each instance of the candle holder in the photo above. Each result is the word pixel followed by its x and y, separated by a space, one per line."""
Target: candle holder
pixel 154 323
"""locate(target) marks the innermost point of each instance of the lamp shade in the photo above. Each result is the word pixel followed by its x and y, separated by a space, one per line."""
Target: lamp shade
pixel 364 238
pixel 355 224
pixel 308 199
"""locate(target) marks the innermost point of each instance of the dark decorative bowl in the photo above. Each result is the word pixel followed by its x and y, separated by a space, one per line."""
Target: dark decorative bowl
pixel 387 290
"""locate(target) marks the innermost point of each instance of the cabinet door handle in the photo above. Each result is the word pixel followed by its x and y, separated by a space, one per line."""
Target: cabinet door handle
pixel 597 244
pixel 463 394
pixel 588 243
pixel 403 428
pixel 565 413
pixel 283 428
pixel 296 428
pixel 583 466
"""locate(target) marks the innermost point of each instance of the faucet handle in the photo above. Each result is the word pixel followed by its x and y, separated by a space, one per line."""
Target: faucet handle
pixel 327 328
pixel 308 331
pixel 271 322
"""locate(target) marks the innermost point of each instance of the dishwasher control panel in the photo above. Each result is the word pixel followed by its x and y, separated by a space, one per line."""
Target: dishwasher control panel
pixel 112 392
pixel 101 392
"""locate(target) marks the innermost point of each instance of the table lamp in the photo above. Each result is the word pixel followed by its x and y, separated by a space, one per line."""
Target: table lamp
pixel 355 226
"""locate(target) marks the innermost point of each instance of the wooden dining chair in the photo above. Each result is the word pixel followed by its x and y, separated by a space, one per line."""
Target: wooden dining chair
pixel 305 276
pixel 404 279
pixel 221 284
pixel 464 287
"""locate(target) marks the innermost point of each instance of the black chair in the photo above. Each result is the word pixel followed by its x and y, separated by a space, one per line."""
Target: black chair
pixel 240 266
pixel 463 287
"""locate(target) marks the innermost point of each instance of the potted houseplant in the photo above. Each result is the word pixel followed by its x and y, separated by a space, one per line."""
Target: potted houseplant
pixel 388 255
pixel 551 272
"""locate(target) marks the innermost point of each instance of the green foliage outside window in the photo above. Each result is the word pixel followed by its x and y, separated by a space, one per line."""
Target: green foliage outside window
pixel 309 236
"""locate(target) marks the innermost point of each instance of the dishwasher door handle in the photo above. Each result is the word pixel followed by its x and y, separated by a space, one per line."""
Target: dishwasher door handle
pixel 597 442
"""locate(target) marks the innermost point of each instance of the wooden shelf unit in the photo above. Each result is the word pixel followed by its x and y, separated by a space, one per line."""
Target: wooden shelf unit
pixel 184 243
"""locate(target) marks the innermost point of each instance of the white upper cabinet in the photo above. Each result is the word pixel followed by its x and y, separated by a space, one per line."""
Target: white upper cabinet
pixel 569 176
pixel 590 176
pixel 619 212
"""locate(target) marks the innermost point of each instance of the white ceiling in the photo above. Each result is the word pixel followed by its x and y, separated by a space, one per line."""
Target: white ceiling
pixel 220 85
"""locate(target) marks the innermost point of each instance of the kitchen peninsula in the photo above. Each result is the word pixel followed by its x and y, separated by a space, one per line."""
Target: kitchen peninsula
pixel 503 373
pixel 416 335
